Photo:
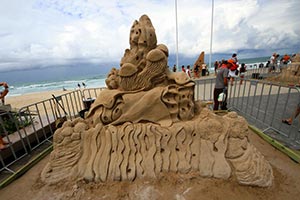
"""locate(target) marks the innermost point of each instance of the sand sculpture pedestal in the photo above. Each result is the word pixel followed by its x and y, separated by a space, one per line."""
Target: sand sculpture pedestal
pixel 147 123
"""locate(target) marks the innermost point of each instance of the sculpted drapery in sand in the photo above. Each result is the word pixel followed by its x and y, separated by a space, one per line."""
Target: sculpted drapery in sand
pixel 147 123
pixel 144 89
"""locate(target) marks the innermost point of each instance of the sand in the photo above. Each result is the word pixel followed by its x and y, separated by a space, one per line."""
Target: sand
pixel 171 186
pixel 27 99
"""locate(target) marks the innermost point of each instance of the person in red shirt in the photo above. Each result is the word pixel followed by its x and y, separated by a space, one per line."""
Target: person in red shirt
pixel 286 58
pixel 233 62
pixel 182 68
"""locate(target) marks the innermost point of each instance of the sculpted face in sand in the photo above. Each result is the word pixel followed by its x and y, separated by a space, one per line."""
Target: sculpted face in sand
pixel 147 123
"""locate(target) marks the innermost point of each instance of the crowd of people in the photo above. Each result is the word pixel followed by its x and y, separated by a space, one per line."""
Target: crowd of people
pixel 195 71
pixel 275 64
pixel 225 72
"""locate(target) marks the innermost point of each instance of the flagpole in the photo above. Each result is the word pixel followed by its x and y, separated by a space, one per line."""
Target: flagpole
pixel 211 32
pixel 177 63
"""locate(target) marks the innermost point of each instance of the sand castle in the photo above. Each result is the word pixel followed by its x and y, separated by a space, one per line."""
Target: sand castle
pixel 147 123
pixel 292 71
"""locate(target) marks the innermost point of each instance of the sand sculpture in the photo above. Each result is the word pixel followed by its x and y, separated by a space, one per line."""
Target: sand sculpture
pixel 200 59
pixel 292 71
pixel 147 124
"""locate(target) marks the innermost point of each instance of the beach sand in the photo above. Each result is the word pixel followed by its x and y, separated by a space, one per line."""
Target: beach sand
pixel 27 99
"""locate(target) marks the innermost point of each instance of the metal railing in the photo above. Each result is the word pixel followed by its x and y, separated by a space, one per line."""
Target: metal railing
pixel 33 125
pixel 90 93
pixel 263 104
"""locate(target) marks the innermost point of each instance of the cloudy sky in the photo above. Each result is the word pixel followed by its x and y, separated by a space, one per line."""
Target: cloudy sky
pixel 54 32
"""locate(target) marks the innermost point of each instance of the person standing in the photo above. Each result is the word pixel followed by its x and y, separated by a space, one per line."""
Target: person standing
pixel 284 61
pixel 233 61
pixel 188 71
pixel 182 68
pixel 242 72
pixel 174 68
pixel 221 86
pixel 2 102
pixel 276 62
pixel 4 92
pixel 273 62
pixel 216 65
pixel 203 70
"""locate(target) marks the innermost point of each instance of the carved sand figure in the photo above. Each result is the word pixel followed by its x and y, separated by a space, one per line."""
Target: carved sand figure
pixel 290 74
pixel 200 59
pixel 293 69
pixel 147 123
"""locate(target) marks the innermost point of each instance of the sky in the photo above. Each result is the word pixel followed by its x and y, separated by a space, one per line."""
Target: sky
pixel 41 33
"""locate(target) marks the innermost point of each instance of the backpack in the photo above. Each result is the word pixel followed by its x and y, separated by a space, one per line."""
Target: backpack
pixel 233 65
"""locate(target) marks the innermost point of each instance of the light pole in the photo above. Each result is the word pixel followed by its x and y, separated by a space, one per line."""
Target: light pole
pixel 177 63
pixel 211 32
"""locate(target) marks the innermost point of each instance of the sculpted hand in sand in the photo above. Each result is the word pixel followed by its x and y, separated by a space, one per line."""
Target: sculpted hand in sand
pixel 147 123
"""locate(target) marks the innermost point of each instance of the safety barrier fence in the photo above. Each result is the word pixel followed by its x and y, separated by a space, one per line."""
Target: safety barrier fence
pixel 257 73
pixel 263 104
pixel 91 93
pixel 32 127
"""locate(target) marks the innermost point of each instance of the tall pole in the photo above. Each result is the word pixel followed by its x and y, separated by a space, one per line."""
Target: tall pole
pixel 177 63
pixel 211 32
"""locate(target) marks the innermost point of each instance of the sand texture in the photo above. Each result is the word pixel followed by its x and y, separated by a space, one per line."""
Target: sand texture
pixel 286 184
pixel 209 145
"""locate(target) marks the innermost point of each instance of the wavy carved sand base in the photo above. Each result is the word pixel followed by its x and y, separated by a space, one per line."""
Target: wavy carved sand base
pixel 211 145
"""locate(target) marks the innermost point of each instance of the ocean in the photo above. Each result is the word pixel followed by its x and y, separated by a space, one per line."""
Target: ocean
pixel 68 77
pixel 54 78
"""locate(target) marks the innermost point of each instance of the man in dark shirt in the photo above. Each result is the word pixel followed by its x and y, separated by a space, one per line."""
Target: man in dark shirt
pixel 221 86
